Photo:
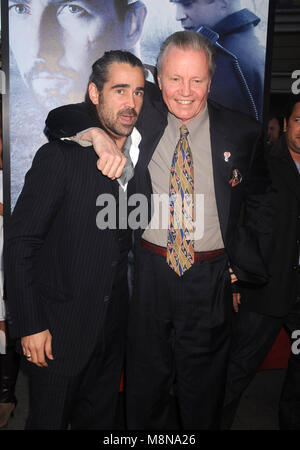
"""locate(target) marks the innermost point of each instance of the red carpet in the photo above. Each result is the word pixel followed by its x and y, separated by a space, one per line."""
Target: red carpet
pixel 279 354
pixel 122 383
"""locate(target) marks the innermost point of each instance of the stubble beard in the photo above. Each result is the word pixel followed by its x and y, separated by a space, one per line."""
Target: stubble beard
pixel 112 124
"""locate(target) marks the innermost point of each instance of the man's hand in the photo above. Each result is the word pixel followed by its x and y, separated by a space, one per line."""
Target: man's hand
pixel 2 326
pixel 236 295
pixel 233 277
pixel 37 346
pixel 111 160
pixel 236 300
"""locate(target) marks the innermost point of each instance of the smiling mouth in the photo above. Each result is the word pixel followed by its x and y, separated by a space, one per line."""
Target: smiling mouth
pixel 184 102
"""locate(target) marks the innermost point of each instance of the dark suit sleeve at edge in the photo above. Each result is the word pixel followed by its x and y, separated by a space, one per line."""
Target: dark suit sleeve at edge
pixel 68 120
pixel 251 245
pixel 35 210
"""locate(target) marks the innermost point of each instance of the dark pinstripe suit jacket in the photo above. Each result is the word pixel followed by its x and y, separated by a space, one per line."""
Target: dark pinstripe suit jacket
pixel 59 266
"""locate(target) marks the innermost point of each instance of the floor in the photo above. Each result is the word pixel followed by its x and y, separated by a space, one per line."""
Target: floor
pixel 257 411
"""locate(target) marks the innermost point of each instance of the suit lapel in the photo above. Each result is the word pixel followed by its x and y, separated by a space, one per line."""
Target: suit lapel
pixel 109 189
pixel 151 132
pixel 222 170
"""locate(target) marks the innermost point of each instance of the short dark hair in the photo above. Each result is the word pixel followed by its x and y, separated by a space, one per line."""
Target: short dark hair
pixel 100 67
pixel 274 115
pixel 293 99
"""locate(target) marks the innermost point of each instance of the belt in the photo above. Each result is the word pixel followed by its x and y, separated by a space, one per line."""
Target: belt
pixel 198 256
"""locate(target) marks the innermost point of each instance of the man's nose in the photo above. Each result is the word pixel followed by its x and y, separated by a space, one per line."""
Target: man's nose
pixel 180 12
pixel 131 100
pixel 50 46
pixel 185 88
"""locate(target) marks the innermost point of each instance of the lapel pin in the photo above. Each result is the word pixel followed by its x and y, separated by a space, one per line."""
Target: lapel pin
pixel 227 156
pixel 236 178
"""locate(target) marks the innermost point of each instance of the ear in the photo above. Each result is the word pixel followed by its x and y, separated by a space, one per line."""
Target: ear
pixel 134 21
pixel 284 125
pixel 93 93
pixel 159 81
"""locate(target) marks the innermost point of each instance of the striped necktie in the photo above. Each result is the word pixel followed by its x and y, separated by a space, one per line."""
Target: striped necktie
pixel 180 246
pixel 128 171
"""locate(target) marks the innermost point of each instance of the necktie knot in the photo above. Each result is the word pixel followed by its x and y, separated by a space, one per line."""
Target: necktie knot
pixel 183 131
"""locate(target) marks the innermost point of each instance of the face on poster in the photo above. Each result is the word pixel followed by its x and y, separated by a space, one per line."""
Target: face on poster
pixel 53 44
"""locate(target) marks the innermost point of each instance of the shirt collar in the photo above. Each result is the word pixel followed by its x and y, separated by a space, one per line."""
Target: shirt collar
pixel 135 137
pixel 236 21
pixel 192 125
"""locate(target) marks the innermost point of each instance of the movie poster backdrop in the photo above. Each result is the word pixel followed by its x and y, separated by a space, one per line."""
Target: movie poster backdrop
pixel 52 45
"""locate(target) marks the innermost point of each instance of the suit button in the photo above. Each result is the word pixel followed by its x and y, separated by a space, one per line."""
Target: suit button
pixel 106 298
pixel 114 263
pixel 295 267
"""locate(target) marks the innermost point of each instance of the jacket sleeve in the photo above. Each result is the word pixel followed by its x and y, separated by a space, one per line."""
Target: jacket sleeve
pixel 68 120
pixel 31 220
pixel 250 245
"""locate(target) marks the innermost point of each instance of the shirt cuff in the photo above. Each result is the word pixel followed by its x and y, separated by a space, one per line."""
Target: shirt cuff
pixel 77 138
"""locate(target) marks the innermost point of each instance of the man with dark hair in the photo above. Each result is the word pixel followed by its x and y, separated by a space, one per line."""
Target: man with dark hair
pixel 66 270
pixel 265 310
pixel 203 159
pixel 240 59
pixel 274 129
